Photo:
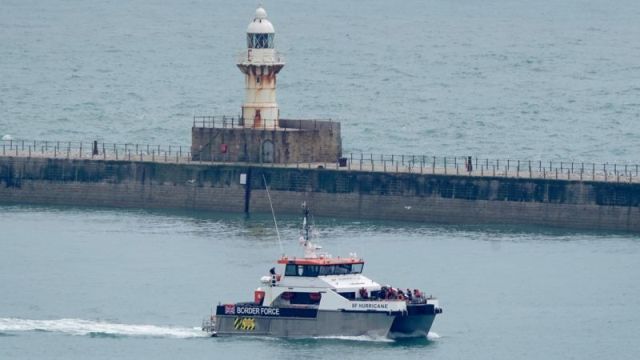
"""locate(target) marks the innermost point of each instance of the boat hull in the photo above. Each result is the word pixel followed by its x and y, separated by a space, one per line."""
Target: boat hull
pixel 327 323
pixel 411 326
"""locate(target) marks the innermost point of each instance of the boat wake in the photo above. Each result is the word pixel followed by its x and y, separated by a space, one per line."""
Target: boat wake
pixel 96 328
pixel 430 336
pixel 356 338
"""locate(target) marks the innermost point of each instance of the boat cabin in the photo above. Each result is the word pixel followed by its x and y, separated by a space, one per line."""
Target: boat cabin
pixel 321 266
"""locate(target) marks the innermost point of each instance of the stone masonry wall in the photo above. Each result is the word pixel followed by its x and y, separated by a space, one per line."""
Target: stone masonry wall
pixel 119 184
pixel 337 193
pixel 295 141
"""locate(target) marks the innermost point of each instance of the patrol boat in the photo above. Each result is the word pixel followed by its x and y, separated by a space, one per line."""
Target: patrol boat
pixel 322 296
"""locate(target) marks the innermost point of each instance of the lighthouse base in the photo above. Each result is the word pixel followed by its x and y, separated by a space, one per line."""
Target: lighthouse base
pixel 293 141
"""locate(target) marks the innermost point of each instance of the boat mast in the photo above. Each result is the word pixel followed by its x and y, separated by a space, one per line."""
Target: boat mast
pixel 310 249
pixel 273 213
pixel 305 222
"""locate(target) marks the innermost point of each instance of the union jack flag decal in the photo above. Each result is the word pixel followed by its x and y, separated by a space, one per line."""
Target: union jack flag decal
pixel 230 309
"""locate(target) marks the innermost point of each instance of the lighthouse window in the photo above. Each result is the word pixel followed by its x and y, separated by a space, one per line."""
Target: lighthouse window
pixel 258 79
pixel 260 41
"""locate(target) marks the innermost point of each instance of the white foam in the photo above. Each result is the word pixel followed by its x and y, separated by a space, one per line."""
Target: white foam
pixel 356 338
pixel 89 327
pixel 432 336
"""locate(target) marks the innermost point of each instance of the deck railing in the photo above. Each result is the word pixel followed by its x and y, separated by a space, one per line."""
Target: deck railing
pixel 368 162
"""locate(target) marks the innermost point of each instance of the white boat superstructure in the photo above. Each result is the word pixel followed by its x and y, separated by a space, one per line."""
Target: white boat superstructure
pixel 319 295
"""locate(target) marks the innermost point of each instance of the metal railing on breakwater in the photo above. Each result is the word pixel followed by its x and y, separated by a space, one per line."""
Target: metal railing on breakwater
pixel 96 150
pixel 225 122
pixel 367 162
pixel 237 122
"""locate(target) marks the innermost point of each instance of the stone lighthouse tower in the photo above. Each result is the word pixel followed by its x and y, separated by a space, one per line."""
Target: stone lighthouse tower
pixel 263 137
pixel 260 64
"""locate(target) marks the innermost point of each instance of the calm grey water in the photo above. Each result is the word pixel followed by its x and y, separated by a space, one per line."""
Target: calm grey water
pixel 497 78
pixel 493 78
pixel 87 283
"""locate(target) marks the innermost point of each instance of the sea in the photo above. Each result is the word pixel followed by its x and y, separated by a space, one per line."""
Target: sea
pixel 507 79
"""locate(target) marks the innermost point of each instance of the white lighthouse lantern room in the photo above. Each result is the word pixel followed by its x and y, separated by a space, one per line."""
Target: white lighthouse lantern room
pixel 260 64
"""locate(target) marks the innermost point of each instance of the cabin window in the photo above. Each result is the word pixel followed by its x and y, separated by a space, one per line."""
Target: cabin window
pixel 291 270
pixel 301 298
pixel 342 269
pixel 348 295
pixel 310 270
pixel 357 268
pixel 327 270
pixel 322 270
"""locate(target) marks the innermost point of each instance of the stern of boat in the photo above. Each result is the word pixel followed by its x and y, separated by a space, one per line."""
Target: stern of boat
pixel 209 326
pixel 416 321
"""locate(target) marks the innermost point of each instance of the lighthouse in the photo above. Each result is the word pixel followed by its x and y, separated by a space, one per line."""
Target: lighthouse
pixel 259 135
pixel 260 64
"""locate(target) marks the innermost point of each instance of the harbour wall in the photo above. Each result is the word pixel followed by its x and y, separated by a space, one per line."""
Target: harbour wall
pixel 433 198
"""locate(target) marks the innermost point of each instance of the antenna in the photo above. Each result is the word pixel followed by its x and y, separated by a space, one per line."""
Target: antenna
pixel 305 221
pixel 273 213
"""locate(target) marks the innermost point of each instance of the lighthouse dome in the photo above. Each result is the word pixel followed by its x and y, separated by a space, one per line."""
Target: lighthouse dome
pixel 260 23
pixel 261 13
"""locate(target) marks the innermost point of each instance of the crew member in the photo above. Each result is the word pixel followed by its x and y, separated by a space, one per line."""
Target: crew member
pixel 417 294
pixel 364 293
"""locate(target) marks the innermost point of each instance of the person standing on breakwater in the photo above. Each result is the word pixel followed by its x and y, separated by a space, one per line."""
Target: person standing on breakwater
pixel 468 164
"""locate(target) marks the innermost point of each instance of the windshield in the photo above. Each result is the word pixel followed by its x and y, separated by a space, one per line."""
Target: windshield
pixel 322 270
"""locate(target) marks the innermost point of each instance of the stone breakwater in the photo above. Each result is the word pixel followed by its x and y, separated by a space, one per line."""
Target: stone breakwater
pixel 348 193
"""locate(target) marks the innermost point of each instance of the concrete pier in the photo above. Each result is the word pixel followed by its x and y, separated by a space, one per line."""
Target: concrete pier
pixel 337 192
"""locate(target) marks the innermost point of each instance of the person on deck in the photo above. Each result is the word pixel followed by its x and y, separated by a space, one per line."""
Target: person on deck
pixel 417 294
pixel 364 293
